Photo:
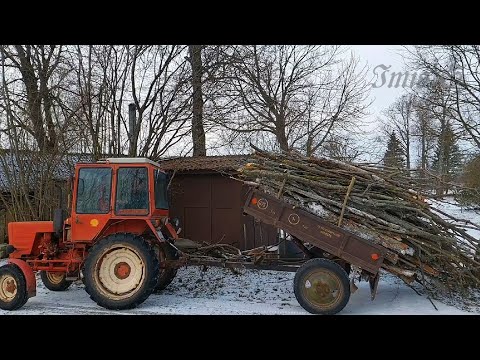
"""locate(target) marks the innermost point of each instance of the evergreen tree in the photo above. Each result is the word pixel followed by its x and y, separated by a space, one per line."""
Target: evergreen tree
pixel 394 156
pixel 470 179
pixel 448 159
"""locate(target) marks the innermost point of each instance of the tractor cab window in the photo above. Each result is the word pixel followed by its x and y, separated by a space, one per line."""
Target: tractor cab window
pixel 161 182
pixel 132 191
pixel 93 190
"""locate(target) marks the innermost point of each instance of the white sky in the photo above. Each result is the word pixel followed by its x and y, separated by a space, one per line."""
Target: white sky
pixel 373 55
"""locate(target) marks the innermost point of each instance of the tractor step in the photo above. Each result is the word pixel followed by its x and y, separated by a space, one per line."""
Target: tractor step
pixel 186 244
pixel 71 278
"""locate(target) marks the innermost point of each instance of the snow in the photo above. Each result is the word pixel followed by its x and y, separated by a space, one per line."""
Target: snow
pixel 318 209
pixel 450 207
pixel 222 292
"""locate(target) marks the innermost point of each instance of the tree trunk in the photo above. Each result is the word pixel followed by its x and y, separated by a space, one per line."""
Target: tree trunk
pixel 34 106
pixel 407 150
pixel 441 157
pixel 309 146
pixel 280 134
pixel 198 133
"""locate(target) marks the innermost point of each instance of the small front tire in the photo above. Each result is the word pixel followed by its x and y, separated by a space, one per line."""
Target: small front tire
pixel 13 288
pixel 55 281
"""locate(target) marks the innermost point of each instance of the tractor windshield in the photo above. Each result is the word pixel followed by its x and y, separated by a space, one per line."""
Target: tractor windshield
pixel 93 194
pixel 161 198
pixel 132 191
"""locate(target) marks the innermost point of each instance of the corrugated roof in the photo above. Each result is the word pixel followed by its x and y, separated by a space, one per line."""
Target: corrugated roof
pixel 204 163
pixel 34 165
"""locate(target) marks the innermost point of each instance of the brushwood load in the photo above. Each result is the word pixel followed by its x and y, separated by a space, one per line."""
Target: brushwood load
pixel 382 205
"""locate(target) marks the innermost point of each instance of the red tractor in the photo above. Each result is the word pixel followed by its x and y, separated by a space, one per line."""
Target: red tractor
pixel 118 239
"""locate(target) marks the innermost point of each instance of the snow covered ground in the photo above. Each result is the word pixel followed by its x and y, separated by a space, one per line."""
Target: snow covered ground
pixel 219 291
pixel 450 207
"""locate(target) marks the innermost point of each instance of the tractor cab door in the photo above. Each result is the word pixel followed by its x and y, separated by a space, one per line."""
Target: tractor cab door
pixel 92 202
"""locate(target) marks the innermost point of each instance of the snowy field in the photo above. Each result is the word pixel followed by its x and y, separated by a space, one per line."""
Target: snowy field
pixel 220 291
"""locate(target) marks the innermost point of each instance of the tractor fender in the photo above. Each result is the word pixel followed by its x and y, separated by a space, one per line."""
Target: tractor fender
pixel 29 276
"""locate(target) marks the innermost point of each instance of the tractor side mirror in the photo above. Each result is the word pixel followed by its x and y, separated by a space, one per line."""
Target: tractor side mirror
pixel 81 186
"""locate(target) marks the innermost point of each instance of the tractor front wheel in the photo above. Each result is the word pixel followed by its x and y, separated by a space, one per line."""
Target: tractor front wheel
pixel 55 281
pixel 121 271
pixel 13 288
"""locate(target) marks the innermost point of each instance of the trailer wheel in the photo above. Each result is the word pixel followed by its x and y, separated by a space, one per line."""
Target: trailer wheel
pixel 13 288
pixel 321 287
pixel 166 275
pixel 121 271
pixel 55 281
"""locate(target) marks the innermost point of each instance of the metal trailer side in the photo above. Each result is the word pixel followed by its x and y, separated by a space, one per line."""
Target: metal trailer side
pixel 312 229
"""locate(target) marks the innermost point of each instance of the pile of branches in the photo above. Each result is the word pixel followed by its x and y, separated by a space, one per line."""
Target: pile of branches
pixel 208 251
pixel 380 204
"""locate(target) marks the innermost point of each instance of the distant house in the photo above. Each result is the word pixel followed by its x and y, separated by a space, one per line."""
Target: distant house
pixel 209 203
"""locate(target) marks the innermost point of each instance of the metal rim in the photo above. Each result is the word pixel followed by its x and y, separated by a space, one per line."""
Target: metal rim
pixel 120 272
pixel 322 289
pixel 55 277
pixel 8 288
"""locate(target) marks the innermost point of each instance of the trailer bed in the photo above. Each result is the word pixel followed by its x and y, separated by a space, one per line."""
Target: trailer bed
pixel 314 230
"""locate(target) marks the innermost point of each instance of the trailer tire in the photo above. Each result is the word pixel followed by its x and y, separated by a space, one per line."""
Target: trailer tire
pixel 121 271
pixel 321 286
pixel 55 281
pixel 13 288
pixel 166 276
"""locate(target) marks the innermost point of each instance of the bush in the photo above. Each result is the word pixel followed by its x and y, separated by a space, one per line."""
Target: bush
pixel 470 194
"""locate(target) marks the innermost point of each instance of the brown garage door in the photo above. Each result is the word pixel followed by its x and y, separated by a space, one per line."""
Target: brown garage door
pixel 210 210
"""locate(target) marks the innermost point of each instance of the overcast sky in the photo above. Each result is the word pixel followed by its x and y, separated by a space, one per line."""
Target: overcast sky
pixel 374 55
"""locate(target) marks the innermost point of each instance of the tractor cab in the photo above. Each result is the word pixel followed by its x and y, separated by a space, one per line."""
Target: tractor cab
pixel 115 190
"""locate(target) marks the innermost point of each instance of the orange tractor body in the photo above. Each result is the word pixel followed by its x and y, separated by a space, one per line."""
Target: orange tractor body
pixel 119 209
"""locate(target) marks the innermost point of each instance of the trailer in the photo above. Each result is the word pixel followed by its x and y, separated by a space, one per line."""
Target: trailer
pixel 321 284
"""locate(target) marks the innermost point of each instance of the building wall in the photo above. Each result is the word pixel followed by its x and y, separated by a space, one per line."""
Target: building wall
pixel 210 209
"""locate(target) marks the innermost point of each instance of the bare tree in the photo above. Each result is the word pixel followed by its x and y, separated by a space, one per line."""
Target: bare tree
pixel 29 178
pixel 399 118
pixel 423 129
pixel 33 75
pixel 457 66
pixel 342 147
pixel 198 132
pixel 336 106
pixel 161 96
pixel 297 94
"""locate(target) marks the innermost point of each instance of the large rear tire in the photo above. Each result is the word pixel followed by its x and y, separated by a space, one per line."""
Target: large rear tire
pixel 55 281
pixel 13 288
pixel 121 271
pixel 166 252
pixel 321 286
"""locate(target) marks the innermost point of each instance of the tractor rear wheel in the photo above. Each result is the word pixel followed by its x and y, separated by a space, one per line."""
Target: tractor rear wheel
pixel 321 286
pixel 55 281
pixel 13 288
pixel 166 252
pixel 121 271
